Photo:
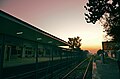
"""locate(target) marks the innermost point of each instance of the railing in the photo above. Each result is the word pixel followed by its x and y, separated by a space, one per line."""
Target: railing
pixel 34 72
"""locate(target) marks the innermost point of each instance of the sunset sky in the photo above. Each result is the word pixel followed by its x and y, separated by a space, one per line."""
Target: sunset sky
pixel 61 18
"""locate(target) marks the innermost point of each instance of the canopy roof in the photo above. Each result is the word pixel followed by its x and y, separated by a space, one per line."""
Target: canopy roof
pixel 11 25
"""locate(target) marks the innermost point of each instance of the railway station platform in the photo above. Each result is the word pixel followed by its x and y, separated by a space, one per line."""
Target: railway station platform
pixel 108 70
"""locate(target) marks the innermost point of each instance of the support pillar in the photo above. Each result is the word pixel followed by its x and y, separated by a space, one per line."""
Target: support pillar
pixel 23 52
pixel 2 47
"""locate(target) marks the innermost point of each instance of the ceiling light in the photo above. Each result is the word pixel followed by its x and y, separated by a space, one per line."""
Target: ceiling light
pixel 50 42
pixel 39 38
pixel 19 33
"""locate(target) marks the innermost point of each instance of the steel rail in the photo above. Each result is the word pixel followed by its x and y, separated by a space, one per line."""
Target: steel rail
pixel 65 76
pixel 56 71
pixel 85 74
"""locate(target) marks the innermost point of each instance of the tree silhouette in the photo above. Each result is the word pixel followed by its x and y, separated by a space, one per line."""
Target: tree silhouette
pixel 74 42
pixel 108 13
pixel 99 52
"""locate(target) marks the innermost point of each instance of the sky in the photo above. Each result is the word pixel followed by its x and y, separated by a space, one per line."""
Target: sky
pixel 61 18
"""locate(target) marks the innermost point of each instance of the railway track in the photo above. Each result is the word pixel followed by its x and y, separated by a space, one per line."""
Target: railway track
pixel 72 71
pixel 83 70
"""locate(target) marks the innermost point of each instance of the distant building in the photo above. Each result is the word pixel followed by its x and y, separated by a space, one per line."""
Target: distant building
pixel 110 48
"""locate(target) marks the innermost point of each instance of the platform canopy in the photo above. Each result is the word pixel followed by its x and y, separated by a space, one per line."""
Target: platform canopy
pixel 10 25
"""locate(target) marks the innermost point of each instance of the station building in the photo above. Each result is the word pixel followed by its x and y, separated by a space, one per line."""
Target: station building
pixel 22 43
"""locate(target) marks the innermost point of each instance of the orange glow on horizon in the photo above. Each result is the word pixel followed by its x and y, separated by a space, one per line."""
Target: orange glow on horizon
pixel 91 49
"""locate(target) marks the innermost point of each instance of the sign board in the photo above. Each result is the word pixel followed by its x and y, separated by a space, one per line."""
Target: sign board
pixel 109 45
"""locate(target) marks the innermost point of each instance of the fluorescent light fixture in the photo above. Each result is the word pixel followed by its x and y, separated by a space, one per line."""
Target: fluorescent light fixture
pixel 39 38
pixel 49 41
pixel 19 33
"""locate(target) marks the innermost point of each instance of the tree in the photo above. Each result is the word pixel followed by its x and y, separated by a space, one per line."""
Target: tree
pixel 74 42
pixel 102 53
pixel 108 13
pixel 99 52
